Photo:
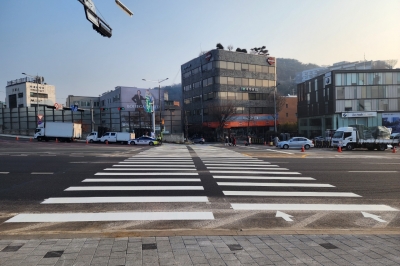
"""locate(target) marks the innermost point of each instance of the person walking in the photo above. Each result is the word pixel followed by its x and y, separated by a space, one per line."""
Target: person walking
pixel 233 141
pixel 226 140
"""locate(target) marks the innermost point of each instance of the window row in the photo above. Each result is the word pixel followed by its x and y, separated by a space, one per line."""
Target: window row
pixel 368 105
pixel 238 110
pixel 363 92
pixel 223 95
pixel 346 79
pixel 230 66
pixel 39 95
pixel 231 81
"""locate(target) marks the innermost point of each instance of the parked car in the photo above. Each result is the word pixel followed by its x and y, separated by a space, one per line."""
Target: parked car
pixel 143 141
pixel 198 140
pixel 319 138
pixel 296 142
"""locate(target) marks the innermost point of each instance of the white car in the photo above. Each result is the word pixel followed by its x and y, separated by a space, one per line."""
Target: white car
pixel 296 142
pixel 143 141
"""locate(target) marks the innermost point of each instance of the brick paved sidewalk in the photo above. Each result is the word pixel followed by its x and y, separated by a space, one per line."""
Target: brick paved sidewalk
pixel 206 250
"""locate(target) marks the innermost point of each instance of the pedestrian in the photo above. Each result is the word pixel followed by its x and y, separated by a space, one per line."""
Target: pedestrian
pixel 248 140
pixel 226 140
pixel 230 140
pixel 234 141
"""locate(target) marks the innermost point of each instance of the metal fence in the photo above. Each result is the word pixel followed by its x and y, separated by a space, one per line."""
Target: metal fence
pixel 24 120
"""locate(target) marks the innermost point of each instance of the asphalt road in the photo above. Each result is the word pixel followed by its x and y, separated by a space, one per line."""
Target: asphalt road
pixel 70 188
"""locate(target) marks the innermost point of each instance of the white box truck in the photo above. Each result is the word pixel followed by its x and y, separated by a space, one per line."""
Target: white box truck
pixel 362 137
pixel 93 137
pixel 62 131
pixel 122 137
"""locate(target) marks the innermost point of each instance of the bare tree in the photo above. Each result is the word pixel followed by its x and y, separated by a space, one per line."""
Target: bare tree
pixel 221 112
pixel 230 47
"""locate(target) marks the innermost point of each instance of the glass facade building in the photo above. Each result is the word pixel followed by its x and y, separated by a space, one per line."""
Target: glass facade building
pixel 348 97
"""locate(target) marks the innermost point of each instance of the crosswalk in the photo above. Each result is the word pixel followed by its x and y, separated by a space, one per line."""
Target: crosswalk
pixel 169 174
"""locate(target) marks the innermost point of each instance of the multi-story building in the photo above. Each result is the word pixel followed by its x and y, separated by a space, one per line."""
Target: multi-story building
pixel 288 112
pixel 221 77
pixel 29 92
pixel 342 98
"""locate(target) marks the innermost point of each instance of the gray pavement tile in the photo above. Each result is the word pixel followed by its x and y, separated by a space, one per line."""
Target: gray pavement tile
pixel 116 261
pixel 233 263
pixel 48 261
pixel 150 252
pixel 195 253
pixel 98 260
pixel 134 239
pixel 274 258
pixel 87 251
pixel 188 237
pixel 199 260
pixel 212 255
pixel 151 264
pixel 257 254
pixel 216 262
pixel 150 259
pixel 119 249
pixel 69 256
pixel 167 262
pixel 179 252
pixel 12 263
pixel 165 254
pixel 228 257
pixel 84 258
pixel 118 254
pixel 224 250
pixel 208 249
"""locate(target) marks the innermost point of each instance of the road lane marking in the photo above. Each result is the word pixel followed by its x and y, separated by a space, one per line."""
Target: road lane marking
pixel 124 199
pixel 148 169
pixel 289 194
pixel 109 188
pixel 272 184
pixel 152 163
pixel 249 168
pixel 42 173
pixel 310 207
pixel 142 180
pixel 4 173
pixel 255 172
pixel 375 217
pixel 236 164
pixel 285 216
pixel 109 216
pixel 263 177
pixel 172 165
pixel 142 174
pixel 285 152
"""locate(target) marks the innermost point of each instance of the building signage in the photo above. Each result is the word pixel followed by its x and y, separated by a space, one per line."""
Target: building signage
pixel 360 114
pixel 328 79
pixel 208 56
pixel 248 89
pixel 271 60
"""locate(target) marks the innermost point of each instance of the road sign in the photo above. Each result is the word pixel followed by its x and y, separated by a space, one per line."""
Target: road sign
pixel 40 117
pixel 271 60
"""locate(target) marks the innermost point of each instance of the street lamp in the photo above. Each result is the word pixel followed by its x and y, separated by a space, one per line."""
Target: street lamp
pixel 159 96
pixel 37 78
pixel 275 131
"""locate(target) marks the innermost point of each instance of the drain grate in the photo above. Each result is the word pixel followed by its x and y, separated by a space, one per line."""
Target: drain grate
pixel 54 254
pixel 11 248
pixel 328 246
pixel 234 247
pixel 149 246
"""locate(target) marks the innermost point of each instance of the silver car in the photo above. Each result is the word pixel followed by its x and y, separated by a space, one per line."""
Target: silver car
pixel 296 142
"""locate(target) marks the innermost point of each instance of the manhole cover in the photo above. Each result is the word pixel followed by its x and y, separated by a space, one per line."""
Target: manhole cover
pixel 328 246
pixel 11 248
pixel 54 254
pixel 234 247
pixel 149 246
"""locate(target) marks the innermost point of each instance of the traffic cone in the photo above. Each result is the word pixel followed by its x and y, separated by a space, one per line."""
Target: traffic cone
pixel 302 148
pixel 107 142
pixel 265 143
pixel 394 149
pixel 56 140
pixel 87 141
pixel 339 149
pixel 30 139
pixel 17 138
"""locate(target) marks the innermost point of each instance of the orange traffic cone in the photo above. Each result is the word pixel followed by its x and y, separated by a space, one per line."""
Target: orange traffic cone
pixel 17 138
pixel 302 148
pixel 339 149
pixel 394 149
pixel 56 139
pixel 30 139
pixel 87 141
pixel 107 142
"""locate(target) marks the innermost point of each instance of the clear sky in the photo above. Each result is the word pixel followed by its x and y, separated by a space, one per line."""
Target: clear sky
pixel 53 39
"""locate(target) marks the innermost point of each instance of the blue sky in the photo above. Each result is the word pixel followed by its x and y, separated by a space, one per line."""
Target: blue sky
pixel 52 38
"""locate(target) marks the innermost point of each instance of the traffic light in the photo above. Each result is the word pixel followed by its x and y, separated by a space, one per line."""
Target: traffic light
pixel 121 108
pixel 104 109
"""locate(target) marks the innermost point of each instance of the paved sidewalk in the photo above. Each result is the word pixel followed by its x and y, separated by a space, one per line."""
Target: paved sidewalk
pixel 206 250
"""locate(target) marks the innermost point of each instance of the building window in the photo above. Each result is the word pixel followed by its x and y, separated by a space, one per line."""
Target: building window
pixel 231 81
pixel 340 92
pixel 20 95
pixel 287 106
pixel 245 67
pixel 230 65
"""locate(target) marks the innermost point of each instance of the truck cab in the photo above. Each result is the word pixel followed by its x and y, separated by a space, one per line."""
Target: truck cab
pixel 344 136
pixel 93 137
pixel 109 136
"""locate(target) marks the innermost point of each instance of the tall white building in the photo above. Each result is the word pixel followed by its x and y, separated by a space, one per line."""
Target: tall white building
pixel 29 92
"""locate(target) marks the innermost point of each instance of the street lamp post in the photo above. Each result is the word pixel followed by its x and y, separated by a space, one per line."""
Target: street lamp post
pixel 159 97
pixel 275 130
pixel 37 78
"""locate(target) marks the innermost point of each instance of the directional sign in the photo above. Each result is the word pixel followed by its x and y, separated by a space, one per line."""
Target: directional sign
pixel 40 117
pixel 375 217
pixel 271 60
pixel 285 216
